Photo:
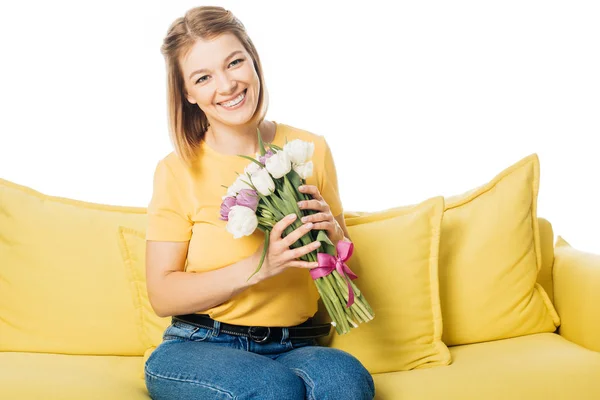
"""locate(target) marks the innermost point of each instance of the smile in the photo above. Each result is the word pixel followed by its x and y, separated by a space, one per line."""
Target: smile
pixel 235 102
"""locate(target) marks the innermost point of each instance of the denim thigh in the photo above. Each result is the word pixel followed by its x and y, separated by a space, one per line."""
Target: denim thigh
pixel 193 363
pixel 329 373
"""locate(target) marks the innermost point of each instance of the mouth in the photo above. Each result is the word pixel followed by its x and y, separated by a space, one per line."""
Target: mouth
pixel 234 103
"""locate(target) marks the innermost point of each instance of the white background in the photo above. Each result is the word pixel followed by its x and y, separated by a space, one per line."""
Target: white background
pixel 416 99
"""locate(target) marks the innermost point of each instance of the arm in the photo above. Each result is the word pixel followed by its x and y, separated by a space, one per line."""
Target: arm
pixel 577 295
pixel 172 291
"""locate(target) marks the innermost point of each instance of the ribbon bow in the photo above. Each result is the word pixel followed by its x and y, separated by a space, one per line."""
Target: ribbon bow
pixel 329 263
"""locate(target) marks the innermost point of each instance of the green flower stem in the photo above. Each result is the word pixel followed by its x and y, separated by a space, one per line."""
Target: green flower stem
pixel 366 308
pixel 356 314
pixel 337 304
pixel 358 300
pixel 328 307
pixel 340 296
pixel 338 314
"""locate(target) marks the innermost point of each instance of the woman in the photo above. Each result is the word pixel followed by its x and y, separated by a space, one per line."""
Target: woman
pixel 229 337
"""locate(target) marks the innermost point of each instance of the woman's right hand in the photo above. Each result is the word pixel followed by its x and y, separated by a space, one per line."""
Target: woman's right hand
pixel 279 256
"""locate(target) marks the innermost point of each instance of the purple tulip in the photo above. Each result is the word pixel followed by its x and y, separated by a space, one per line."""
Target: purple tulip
pixel 263 159
pixel 226 206
pixel 247 198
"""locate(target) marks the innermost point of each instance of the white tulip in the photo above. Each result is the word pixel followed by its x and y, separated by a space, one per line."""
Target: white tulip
pixel 252 168
pixel 238 185
pixel 278 164
pixel 299 151
pixel 263 182
pixel 242 221
pixel 304 170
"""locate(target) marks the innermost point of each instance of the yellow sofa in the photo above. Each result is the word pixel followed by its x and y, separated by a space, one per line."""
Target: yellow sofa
pixel 75 322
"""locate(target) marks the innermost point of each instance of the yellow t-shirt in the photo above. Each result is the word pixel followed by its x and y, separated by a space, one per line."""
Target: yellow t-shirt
pixel 185 205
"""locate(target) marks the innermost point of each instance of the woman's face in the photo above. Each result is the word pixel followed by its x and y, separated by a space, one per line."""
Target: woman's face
pixel 219 76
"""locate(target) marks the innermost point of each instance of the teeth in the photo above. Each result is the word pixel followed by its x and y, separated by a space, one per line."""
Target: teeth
pixel 235 101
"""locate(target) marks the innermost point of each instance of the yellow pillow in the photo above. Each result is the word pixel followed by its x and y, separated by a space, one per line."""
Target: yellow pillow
pixel 133 250
pixel 396 260
pixel 489 260
pixel 63 288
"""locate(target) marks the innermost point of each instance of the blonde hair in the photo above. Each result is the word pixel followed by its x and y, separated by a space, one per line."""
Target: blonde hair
pixel 187 122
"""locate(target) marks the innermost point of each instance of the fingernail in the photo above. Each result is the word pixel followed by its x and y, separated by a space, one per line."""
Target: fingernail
pixel 317 244
pixel 300 187
pixel 309 225
pixel 291 216
pixel 300 204
pixel 304 219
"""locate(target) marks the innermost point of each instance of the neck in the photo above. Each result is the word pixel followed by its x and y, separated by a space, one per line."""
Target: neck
pixel 235 139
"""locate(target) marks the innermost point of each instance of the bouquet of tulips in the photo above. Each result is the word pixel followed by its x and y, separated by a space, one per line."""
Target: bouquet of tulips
pixel 265 194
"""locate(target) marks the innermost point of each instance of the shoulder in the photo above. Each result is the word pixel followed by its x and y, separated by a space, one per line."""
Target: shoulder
pixel 173 162
pixel 171 166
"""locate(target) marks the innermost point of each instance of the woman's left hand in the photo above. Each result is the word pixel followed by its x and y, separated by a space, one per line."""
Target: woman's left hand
pixel 323 219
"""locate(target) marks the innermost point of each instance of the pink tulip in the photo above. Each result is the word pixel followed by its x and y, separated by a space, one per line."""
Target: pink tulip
pixel 263 159
pixel 226 207
pixel 247 198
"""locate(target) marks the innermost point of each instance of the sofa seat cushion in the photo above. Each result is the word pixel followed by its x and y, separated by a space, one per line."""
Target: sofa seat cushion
pixel 539 366
pixel 65 377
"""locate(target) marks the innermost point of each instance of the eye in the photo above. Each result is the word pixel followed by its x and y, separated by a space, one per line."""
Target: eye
pixel 202 79
pixel 235 62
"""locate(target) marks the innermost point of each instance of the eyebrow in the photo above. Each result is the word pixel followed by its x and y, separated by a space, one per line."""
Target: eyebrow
pixel 205 70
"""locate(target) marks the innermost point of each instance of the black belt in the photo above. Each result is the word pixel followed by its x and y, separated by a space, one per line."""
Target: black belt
pixel 259 334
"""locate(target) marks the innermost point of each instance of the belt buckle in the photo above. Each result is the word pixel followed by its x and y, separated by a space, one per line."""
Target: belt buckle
pixel 258 339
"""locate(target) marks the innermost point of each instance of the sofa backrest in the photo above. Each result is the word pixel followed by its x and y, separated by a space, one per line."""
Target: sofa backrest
pixel 547 245
pixel 63 285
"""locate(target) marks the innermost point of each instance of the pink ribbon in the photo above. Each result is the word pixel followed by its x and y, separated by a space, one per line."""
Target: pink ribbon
pixel 329 263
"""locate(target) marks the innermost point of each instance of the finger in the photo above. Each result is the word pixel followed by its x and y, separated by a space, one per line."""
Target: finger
pixel 326 226
pixel 296 234
pixel 280 226
pixel 313 205
pixel 303 264
pixel 311 189
pixel 300 251
pixel 318 217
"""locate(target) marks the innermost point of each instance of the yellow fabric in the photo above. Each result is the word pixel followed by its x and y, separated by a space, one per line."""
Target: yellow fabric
pixel 63 287
pixel 532 367
pixel 490 257
pixel 577 294
pixel 396 260
pixel 547 246
pixel 33 376
pixel 133 249
pixel 185 206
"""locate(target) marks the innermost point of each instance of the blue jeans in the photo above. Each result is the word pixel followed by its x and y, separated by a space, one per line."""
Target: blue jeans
pixel 201 363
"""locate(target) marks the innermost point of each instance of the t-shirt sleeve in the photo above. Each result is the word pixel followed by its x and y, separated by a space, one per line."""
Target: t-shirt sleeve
pixel 329 182
pixel 168 218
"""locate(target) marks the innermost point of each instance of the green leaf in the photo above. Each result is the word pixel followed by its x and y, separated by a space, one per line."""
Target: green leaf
pixel 275 147
pixel 262 257
pixel 261 145
pixel 290 188
pixel 326 244
pixel 251 159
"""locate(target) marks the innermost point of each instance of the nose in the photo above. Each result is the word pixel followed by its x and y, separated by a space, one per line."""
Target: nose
pixel 225 85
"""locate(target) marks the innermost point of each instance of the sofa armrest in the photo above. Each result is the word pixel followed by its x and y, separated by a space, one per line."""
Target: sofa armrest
pixel 576 278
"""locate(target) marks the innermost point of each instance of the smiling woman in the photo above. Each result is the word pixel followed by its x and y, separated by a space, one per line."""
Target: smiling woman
pixel 224 324
pixel 212 64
